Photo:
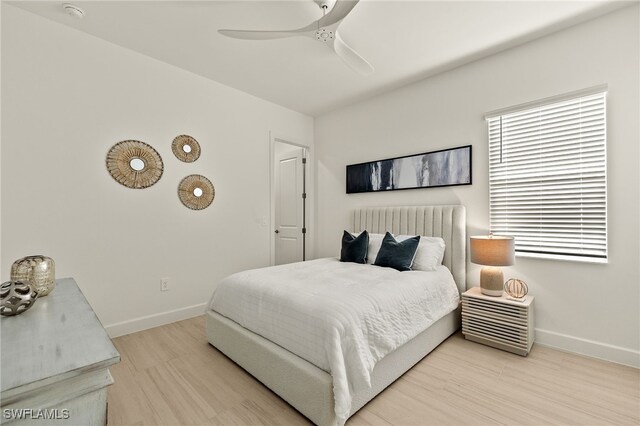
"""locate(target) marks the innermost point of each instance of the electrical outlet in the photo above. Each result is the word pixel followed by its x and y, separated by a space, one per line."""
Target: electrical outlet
pixel 164 284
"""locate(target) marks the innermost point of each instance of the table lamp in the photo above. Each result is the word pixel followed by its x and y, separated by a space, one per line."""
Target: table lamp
pixel 492 251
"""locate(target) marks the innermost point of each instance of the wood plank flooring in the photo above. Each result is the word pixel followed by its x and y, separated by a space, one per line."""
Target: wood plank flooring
pixel 170 375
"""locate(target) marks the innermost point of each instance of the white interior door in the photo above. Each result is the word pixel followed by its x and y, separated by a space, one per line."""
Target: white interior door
pixel 288 206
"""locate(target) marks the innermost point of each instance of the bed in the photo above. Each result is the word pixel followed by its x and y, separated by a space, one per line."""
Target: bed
pixel 309 388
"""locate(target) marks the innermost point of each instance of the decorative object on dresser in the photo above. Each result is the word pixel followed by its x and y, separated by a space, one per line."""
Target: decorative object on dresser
pixel 16 297
pixel 447 167
pixel 55 362
pixel 196 192
pixel 516 289
pixel 134 164
pixel 185 148
pixel 38 270
pixel 498 321
pixel 492 251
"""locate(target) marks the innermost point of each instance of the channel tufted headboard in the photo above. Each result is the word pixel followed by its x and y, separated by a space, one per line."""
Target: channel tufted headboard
pixel 447 222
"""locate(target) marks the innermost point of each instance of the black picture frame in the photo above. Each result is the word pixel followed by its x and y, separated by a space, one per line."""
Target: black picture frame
pixel 445 167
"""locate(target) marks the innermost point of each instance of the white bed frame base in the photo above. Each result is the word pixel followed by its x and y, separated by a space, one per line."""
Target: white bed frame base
pixel 303 385
pixel 310 389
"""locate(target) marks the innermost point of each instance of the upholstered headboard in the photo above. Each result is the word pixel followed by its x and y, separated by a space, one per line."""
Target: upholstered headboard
pixel 447 222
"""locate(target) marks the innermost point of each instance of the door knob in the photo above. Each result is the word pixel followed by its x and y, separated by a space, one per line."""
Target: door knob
pixel 277 231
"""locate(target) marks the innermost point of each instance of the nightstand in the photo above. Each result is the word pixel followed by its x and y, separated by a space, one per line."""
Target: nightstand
pixel 498 321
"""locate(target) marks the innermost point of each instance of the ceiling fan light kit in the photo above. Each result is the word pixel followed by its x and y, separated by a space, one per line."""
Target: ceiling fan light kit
pixel 324 29
pixel 324 35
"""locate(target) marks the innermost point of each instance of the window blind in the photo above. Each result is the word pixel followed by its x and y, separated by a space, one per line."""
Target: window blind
pixel 547 178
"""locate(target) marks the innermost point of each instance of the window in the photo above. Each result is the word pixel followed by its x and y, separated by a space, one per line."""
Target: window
pixel 547 176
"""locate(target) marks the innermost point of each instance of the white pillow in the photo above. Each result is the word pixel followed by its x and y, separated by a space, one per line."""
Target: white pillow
pixel 375 242
pixel 429 255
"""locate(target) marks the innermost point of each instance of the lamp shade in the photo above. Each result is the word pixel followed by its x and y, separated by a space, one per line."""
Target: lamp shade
pixel 493 250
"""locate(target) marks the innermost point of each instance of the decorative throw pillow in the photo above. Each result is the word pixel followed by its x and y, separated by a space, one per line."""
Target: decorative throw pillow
pixel 354 249
pixel 429 254
pixel 375 241
pixel 395 254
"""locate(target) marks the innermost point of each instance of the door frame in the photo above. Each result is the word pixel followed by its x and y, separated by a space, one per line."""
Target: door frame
pixel 310 205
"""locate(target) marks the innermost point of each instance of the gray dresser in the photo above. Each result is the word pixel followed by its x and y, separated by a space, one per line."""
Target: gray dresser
pixel 55 362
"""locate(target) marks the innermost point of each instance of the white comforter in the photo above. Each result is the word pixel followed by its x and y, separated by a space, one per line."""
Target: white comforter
pixel 342 317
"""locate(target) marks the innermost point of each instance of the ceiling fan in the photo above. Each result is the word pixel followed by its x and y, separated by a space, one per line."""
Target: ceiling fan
pixel 324 30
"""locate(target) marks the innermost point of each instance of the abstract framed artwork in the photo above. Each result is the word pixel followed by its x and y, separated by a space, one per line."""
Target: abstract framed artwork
pixel 447 167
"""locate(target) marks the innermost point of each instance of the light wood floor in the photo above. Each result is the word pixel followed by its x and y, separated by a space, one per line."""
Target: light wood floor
pixel 171 375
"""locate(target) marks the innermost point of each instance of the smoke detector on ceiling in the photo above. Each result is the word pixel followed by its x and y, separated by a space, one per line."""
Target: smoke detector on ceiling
pixel 73 10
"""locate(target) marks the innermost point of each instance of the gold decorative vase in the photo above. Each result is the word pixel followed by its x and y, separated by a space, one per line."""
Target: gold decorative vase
pixel 39 271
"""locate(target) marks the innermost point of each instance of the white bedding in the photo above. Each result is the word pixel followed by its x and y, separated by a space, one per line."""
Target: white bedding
pixel 342 317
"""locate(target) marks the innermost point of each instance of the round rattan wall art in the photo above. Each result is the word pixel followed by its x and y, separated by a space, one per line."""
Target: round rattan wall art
pixel 196 192
pixel 186 148
pixel 134 164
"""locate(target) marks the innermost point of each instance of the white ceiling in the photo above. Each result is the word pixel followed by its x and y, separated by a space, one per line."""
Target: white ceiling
pixel 404 40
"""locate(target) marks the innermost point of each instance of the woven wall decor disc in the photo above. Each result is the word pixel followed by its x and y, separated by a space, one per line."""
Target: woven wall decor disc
pixel 188 188
pixel 186 148
pixel 147 171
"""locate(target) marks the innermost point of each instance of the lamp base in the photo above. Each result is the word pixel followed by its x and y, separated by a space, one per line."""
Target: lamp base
pixel 491 281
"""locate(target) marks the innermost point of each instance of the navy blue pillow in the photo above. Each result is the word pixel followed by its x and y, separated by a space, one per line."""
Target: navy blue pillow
pixel 354 249
pixel 397 255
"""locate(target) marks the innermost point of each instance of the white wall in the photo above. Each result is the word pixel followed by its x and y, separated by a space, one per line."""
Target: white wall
pixel 587 308
pixel 67 97
pixel 1 274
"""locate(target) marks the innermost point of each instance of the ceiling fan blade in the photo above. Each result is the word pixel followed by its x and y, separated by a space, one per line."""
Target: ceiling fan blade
pixel 350 57
pixel 258 35
pixel 340 9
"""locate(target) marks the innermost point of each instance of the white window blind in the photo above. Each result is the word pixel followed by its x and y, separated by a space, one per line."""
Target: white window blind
pixel 547 178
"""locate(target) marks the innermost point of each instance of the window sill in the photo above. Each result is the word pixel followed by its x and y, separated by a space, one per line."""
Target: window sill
pixel 597 260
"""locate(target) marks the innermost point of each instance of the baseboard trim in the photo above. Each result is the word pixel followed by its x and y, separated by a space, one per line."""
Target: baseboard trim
pixel 155 320
pixel 563 342
pixel 587 347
